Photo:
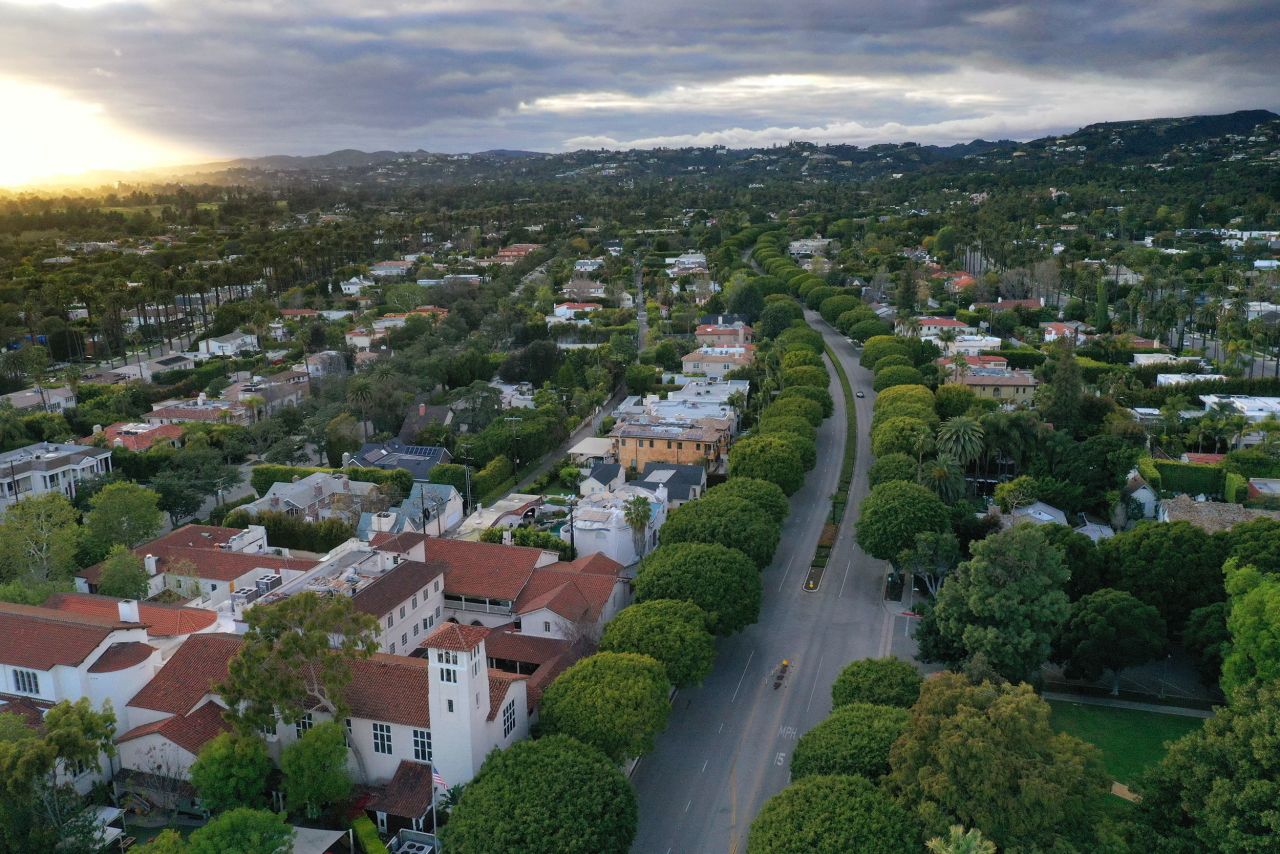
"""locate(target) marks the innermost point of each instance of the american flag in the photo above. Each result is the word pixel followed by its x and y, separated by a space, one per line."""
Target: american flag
pixel 437 779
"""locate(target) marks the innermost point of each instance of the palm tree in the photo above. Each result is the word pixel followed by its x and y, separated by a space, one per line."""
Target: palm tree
pixel 360 395
pixel 942 474
pixel 637 512
pixel 960 841
pixel 947 337
pixel 961 438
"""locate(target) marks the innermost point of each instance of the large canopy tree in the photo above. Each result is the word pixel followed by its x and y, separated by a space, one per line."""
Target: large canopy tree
pixel 722 581
pixel 832 815
pixel 674 632
pixel 614 701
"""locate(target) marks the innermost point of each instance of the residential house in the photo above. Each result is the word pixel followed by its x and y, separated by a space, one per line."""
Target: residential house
pixel 1210 516
pixel 1002 304
pixel 1005 386
pixel 201 410
pixel 687 264
pixel 579 289
pixel 966 345
pixel 591 451
pixel 598 525
pixel 1183 379
pixel 808 247
pixel 1142 499
pixel 604 477
pixel 270 394
pixel 932 327
pixel 1264 489
pixel 1255 409
pixel 363 338
pixel 49 467
pixel 642 440
pixel 1058 331
pixel 50 655
pixel 354 286
pixel 418 460
pixel 136 436
pixel 586 266
pixel 996 363
pixel 167 625
pixel 683 483
pixel 1035 513
pixel 231 344
pixel 433 508
pixel 572 312
pixel 40 399
pixel 515 252
pixel 714 335
pixel 207 565
pixel 317 496
pixel 327 363
pixel 715 362
pixel 390 269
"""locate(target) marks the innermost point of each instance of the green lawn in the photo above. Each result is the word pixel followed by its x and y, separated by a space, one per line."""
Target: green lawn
pixel 1130 741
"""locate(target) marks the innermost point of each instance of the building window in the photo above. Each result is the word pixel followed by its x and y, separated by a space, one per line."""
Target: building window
pixel 415 601
pixel 422 745
pixel 446 657
pixel 404 639
pixel 402 612
pixel 450 702
pixel 509 719
pixel 415 630
pixel 393 649
pixel 546 625
pixel 437 612
pixel 26 682
pixel 448 674
pixel 381 738
pixel 390 619
pixel 346 735
pixel 437 589
pixel 302 724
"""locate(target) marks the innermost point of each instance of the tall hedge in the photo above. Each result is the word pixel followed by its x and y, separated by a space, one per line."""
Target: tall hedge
pixel 290 532
pixel 1191 478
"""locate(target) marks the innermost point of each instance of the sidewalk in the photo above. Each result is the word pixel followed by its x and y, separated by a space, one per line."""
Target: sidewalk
pixel 1126 704
pixel 587 429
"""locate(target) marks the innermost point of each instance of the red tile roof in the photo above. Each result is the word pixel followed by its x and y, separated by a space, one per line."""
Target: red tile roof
pixel 120 656
pixel 598 563
pixel 942 321
pixel 506 644
pixel 189 674
pixel 390 688
pixel 456 636
pixel 190 732
pixel 499 684
pixel 160 620
pixel 199 544
pixel 42 638
pixel 572 595
pixel 31 711
pixel 483 569
pixel 408 794
pixel 1205 459
pixel 298 312
pixel 117 436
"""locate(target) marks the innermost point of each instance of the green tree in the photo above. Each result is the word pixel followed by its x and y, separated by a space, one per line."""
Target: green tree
pixel 177 496
pixel 854 740
pixel 767 457
pixel 891 467
pixel 894 513
pixel 123 575
pixel 944 476
pixel 1108 630
pixel 1253 652
pixel 243 831
pixel 832 815
pixel 614 701
pixel 39 538
pixel 289 662
pixel 1005 603
pixel 315 769
pixel 1174 566
pixel 554 795
pixel 1206 639
pixel 986 756
pixel 902 434
pixel 803 407
pixel 1217 788
pixel 342 435
pixel 766 495
pixel 122 513
pixel 777 316
pixel 896 375
pixel 725 520
pixel 168 842
pixel 820 396
pixel 879 346
pixel 805 376
pixel 877 681
pixel 962 438
pixel 961 841
pixel 640 379
pixel 673 632
pixel 1059 399
pixel 723 582
pixel 637 511
pixel 953 399
pixel 231 771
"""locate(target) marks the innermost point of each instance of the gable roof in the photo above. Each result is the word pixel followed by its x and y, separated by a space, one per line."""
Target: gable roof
pixel 43 638
pixel 190 732
pixel 189 674
pixel 492 570
pixel 160 620
pixel 605 472
pixel 456 637
pixel 570 594
pixel 500 683
pixel 409 792
pixel 390 688
pixel 383 594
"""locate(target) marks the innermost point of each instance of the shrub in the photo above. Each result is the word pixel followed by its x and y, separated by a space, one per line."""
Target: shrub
pixel 897 375
pixel 892 361
pixel 792 424
pixel 810 410
pixel 805 376
pixel 819 395
pixel 367 836
pixel 880 681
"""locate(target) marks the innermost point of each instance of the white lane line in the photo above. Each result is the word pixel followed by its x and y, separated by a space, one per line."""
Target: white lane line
pixel 743 676
pixel 846 578
pixel 784 574
pixel 721 729
pixel 814 689
pixel 686 806
pixel 704 764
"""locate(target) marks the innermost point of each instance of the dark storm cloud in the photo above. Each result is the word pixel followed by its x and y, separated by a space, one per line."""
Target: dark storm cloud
pixel 237 77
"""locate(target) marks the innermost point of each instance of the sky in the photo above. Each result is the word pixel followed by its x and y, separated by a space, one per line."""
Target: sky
pixel 122 84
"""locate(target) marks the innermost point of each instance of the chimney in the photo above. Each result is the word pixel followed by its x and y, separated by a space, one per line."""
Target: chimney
pixel 506 537
pixel 742 334
pixel 422 410
pixel 97 428
pixel 150 563
pixel 128 609
pixel 346 459
pixel 202 399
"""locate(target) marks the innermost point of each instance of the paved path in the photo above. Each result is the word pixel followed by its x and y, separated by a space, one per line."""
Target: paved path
pixel 1113 703
pixel 728 745
pixel 584 431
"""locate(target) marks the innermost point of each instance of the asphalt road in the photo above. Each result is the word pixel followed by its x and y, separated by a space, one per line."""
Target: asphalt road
pixel 727 748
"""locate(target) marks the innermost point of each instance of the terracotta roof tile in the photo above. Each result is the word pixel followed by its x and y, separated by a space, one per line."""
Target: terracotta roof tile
pixel 189 674
pixel 31 711
pixel 509 645
pixel 499 684
pixel 160 620
pixel 210 562
pixel 390 688
pixel 456 636
pixel 190 732
pixel 408 794
pixel 572 595
pixel 483 569
pixel 42 638
pixel 122 655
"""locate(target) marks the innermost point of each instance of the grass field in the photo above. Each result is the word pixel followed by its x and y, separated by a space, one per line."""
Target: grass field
pixel 1130 741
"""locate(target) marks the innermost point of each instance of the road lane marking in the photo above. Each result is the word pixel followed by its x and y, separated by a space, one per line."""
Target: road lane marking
pixel 704 764
pixel 743 676
pixel 686 806
pixel 784 574
pixel 814 689
pixel 846 578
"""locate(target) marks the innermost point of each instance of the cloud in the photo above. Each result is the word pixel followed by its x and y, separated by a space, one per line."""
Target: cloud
pixel 284 76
